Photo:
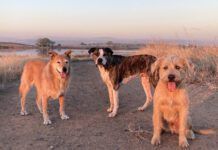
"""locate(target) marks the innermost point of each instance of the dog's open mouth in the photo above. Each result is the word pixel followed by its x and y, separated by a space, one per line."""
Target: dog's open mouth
pixel 63 74
pixel 171 86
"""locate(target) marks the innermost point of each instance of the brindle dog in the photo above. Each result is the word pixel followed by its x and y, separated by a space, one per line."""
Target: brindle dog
pixel 116 70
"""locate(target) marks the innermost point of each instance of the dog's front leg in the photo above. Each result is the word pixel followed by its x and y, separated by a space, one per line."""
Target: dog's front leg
pixel 44 110
pixel 61 109
pixel 110 92
pixel 157 125
pixel 147 88
pixel 183 127
pixel 116 103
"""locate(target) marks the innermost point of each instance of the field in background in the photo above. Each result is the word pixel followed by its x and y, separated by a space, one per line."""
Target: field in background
pixel 11 67
pixel 205 59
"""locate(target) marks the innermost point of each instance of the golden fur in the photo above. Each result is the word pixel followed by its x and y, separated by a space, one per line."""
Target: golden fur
pixel 171 100
pixel 50 79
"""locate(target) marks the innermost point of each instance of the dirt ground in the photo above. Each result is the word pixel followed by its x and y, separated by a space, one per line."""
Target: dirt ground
pixel 88 126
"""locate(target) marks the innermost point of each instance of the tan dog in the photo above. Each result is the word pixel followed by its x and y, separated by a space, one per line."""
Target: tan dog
pixel 171 100
pixel 50 79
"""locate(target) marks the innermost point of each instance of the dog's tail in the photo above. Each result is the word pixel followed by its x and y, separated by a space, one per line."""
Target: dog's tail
pixel 205 131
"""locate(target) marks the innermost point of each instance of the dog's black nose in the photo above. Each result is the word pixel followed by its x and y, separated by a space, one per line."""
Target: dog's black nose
pixel 100 60
pixel 171 77
pixel 64 69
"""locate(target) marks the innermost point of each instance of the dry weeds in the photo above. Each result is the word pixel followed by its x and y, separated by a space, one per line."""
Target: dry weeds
pixel 11 67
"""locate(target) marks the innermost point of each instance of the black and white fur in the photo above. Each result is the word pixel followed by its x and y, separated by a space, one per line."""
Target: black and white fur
pixel 116 70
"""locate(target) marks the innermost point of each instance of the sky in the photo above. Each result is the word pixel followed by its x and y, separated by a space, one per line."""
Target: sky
pixel 176 19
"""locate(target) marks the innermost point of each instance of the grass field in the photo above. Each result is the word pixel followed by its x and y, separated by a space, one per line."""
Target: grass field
pixel 11 67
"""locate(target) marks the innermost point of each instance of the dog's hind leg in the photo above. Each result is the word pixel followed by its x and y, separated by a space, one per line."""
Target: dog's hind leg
pixel 110 92
pixel 116 103
pixel 24 88
pixel 147 88
pixel 189 132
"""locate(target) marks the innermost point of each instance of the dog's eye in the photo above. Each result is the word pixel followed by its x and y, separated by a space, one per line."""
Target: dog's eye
pixel 177 67
pixel 66 62
pixel 165 67
pixel 58 62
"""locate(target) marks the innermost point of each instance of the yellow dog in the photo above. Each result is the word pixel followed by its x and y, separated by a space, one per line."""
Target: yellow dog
pixel 171 100
pixel 50 79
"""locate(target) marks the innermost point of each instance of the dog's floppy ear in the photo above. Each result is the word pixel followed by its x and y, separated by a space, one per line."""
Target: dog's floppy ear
pixel 91 50
pixel 156 65
pixel 52 54
pixel 68 53
pixel 108 50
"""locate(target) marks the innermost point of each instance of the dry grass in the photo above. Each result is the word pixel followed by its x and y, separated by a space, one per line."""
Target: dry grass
pixel 205 59
pixel 11 67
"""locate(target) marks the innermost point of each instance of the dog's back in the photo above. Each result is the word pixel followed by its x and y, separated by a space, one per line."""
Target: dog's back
pixel 32 72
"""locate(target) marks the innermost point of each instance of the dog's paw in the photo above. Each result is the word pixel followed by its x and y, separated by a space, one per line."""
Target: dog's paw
pixel 141 108
pixel 64 117
pixel 190 135
pixel 183 143
pixel 24 113
pixel 109 109
pixel 155 141
pixel 112 114
pixel 47 122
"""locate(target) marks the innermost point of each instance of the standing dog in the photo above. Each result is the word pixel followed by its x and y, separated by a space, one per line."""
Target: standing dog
pixel 171 100
pixel 116 69
pixel 50 79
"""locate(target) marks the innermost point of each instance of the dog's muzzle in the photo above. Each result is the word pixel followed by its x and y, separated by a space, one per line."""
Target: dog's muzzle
pixel 100 60
pixel 64 72
pixel 171 78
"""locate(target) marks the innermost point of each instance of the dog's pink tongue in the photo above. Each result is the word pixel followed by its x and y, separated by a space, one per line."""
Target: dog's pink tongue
pixel 63 75
pixel 171 86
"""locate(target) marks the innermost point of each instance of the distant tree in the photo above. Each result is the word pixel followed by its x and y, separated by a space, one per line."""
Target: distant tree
pixel 109 43
pixel 44 45
pixel 83 44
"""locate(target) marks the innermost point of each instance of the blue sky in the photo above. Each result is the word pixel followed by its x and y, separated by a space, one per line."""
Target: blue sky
pixel 179 19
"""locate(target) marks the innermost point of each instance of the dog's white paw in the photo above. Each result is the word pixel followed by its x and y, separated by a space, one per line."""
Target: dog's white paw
pixel 109 109
pixel 112 114
pixel 47 122
pixel 23 113
pixel 64 117
pixel 183 143
pixel 155 141
pixel 141 108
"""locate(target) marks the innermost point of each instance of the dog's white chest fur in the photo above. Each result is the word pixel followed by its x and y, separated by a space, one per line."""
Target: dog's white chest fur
pixel 104 74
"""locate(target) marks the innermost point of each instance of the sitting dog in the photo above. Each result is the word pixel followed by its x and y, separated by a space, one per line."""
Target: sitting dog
pixel 171 100
pixel 50 79
pixel 116 69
